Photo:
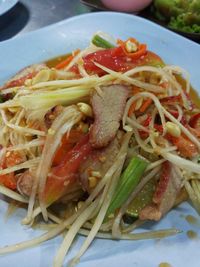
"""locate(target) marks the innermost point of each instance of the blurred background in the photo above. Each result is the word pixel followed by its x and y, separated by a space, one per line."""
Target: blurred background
pixel 29 15
pixel 20 16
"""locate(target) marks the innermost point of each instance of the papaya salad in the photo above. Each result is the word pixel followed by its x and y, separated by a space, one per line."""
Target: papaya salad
pixel 98 143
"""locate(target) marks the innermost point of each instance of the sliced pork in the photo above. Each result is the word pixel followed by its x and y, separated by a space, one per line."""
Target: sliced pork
pixel 25 183
pixel 108 108
pixel 98 163
pixel 165 195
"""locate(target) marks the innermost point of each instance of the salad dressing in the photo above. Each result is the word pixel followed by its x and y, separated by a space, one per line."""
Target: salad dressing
pixel 193 94
pixel 192 220
pixel 164 264
pixel 192 234
pixel 56 60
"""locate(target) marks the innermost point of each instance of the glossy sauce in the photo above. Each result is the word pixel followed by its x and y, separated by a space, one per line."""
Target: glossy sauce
pixel 164 264
pixel 193 94
pixel 192 220
pixel 56 60
pixel 192 234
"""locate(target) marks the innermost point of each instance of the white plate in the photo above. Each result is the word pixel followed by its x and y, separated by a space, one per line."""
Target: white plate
pixel 61 38
pixel 6 5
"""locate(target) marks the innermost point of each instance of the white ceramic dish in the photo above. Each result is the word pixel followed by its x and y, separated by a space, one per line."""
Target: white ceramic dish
pixel 61 38
pixel 6 5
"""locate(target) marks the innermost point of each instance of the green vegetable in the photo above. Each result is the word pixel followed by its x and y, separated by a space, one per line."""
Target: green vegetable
pixel 128 182
pixel 183 15
pixel 142 199
pixel 167 8
pixel 65 96
pixel 1 99
pixel 100 42
pixel 180 23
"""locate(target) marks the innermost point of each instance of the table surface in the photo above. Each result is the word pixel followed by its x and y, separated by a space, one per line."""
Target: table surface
pixel 27 16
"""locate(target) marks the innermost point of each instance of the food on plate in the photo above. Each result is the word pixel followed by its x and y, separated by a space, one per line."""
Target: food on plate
pixel 96 136
pixel 183 15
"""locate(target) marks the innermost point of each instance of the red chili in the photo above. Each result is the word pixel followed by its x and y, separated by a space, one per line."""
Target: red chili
pixel 184 145
pixel 171 100
pixel 194 121
pixel 163 182
pixel 145 123
pixel 159 128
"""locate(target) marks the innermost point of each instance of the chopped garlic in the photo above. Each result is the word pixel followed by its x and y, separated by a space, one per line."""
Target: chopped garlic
pixel 85 109
pixel 131 47
pixel 156 134
pixel 92 181
pixel 128 128
pixel 96 174
pixel 80 204
pixel 102 158
pixel 51 131
pixel 28 82
pixel 173 129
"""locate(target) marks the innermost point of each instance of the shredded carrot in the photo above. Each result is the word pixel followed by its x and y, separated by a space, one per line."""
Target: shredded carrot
pixel 145 104
pixel 66 62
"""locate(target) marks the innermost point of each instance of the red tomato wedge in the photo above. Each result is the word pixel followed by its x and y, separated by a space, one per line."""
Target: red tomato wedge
pixel 65 174
pixel 115 59
pixel 12 159
pixel 67 143
pixel 21 80
pixel 8 180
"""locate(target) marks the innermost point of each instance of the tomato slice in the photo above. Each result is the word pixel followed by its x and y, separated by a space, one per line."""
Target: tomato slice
pixel 12 159
pixel 65 174
pixel 8 180
pixel 67 143
pixel 116 60
pixel 20 81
